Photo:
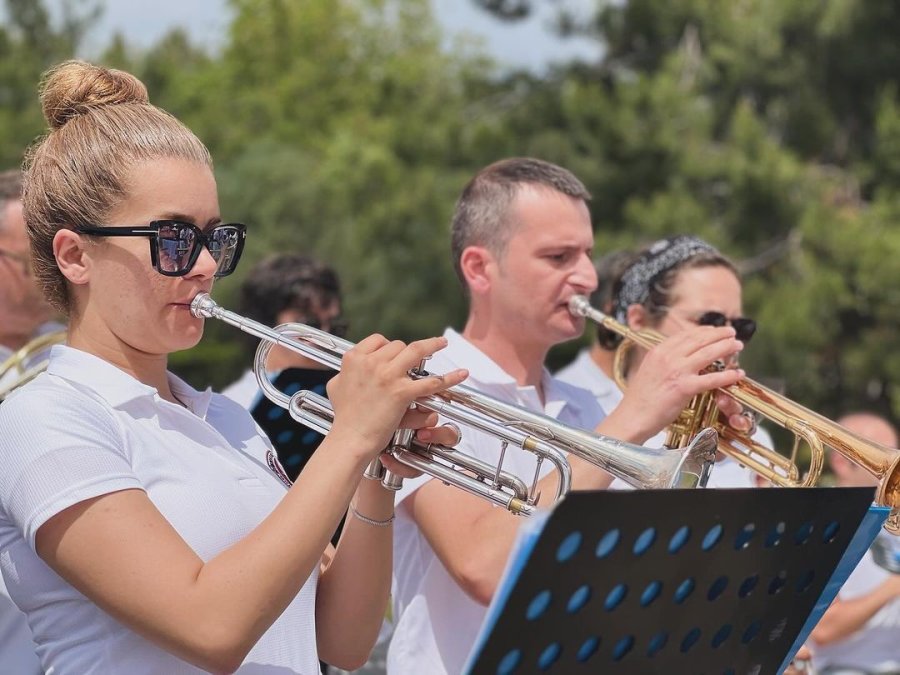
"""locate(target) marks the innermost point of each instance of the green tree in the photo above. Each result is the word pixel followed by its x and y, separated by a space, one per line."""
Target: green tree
pixel 338 129
pixel 358 125
pixel 30 42
pixel 767 128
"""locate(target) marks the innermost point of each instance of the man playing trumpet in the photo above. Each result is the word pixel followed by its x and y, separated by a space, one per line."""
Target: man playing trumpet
pixel 23 315
pixel 522 243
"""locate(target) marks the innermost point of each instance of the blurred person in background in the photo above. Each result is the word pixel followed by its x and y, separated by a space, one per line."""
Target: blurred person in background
pixel 288 288
pixel 293 288
pixel 24 314
pixel 668 286
pixel 859 634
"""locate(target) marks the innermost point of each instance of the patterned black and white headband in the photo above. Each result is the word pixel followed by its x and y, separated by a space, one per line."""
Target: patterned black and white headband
pixel 663 255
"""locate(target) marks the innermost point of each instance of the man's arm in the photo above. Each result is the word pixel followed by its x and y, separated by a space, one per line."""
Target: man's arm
pixel 473 539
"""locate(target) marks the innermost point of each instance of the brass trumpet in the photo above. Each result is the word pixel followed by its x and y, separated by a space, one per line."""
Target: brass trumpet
pixel 816 430
pixel 543 436
pixel 28 362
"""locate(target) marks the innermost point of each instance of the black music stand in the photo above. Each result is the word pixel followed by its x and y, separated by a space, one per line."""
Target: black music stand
pixel 672 581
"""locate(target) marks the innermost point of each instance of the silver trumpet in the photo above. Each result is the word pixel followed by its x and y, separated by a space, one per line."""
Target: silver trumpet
pixel 543 436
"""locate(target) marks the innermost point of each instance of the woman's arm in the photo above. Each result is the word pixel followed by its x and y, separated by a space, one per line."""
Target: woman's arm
pixel 355 584
pixel 148 578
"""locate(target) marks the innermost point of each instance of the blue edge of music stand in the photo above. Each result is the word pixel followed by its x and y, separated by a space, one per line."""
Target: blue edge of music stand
pixel 726 582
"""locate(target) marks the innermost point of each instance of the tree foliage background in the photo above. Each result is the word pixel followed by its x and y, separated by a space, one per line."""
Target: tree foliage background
pixel 346 129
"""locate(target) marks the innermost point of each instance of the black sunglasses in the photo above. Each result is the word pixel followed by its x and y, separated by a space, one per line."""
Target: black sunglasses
pixel 337 325
pixel 744 328
pixel 176 246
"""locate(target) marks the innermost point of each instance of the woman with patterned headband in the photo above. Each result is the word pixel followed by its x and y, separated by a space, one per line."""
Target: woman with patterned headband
pixel 668 286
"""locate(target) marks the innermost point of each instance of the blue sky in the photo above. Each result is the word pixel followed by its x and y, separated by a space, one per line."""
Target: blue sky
pixel 525 44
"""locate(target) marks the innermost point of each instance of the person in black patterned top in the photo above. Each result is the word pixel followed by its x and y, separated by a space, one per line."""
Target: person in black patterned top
pixel 288 288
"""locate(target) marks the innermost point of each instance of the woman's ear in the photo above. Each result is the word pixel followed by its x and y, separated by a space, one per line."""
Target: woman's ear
pixel 637 317
pixel 72 256
pixel 476 264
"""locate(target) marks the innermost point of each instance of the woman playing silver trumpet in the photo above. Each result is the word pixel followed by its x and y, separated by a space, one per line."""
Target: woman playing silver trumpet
pixel 143 523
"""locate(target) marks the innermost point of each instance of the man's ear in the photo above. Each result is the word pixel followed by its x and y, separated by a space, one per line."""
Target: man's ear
pixel 637 317
pixel 477 265
pixel 72 256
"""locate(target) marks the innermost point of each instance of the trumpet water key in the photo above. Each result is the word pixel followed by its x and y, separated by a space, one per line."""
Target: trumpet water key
pixel 545 437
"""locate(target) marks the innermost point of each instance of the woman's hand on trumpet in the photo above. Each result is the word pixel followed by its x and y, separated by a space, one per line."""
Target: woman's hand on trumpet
pixel 373 392
pixel 673 372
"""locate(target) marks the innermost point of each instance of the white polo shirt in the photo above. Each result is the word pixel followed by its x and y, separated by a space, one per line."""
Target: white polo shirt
pixel 435 622
pixel 585 373
pixel 85 428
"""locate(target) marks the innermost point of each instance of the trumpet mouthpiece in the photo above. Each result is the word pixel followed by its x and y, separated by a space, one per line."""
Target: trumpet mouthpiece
pixel 579 305
pixel 203 306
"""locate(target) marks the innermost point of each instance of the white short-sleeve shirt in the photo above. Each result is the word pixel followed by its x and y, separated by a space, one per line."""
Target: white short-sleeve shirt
pixel 84 429
pixel 17 650
pixel 436 623
pixel 585 373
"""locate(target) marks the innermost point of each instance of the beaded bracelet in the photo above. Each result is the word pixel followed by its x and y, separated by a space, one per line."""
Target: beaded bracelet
pixel 370 521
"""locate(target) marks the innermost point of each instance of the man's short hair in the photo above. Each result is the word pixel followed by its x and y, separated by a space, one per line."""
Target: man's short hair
pixel 482 214
pixel 10 189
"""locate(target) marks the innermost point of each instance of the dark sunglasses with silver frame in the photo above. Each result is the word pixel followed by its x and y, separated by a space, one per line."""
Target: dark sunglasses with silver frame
pixel 175 246
pixel 336 325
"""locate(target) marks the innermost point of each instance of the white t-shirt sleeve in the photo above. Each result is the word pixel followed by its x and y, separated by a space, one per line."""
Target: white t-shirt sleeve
pixel 57 449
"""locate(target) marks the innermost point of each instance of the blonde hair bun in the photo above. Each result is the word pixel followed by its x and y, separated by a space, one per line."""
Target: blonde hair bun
pixel 74 88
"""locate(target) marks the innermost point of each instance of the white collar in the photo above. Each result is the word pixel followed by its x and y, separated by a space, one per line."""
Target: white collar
pixel 485 371
pixel 116 386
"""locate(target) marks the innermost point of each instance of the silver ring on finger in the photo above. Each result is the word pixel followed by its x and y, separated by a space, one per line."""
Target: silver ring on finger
pixel 750 416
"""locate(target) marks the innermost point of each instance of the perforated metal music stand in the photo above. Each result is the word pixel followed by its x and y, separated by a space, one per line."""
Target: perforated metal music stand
pixel 672 581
